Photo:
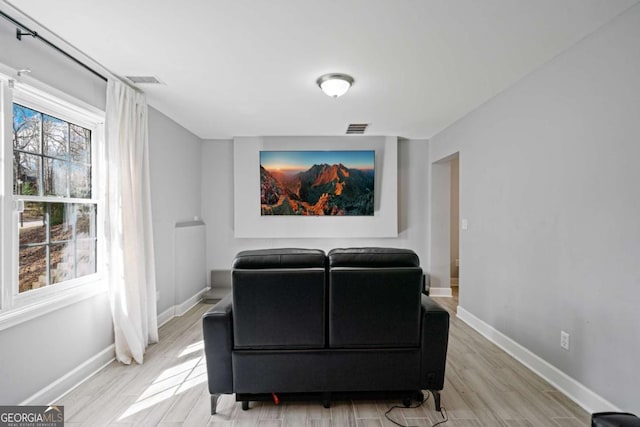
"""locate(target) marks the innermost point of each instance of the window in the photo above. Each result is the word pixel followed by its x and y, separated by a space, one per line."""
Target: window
pixel 52 160
pixel 51 247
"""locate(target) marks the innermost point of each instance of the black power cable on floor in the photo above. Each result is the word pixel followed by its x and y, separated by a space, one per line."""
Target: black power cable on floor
pixel 443 412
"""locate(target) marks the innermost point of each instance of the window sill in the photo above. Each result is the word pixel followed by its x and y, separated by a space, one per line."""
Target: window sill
pixel 39 307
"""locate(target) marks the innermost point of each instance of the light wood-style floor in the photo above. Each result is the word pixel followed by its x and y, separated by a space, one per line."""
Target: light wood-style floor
pixel 484 387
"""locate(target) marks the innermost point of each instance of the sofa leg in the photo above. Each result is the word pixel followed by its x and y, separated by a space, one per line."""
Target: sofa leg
pixel 245 405
pixel 436 399
pixel 326 400
pixel 214 403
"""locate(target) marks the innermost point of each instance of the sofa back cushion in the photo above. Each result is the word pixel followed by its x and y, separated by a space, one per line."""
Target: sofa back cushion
pixel 280 258
pixel 374 298
pixel 278 299
pixel 373 257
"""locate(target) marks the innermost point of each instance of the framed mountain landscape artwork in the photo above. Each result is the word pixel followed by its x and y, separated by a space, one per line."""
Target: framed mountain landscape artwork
pixel 334 183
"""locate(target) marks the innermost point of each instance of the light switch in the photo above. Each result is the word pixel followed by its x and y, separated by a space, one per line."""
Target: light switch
pixel 464 223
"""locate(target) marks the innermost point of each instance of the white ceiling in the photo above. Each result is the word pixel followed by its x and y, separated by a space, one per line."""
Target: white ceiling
pixel 244 68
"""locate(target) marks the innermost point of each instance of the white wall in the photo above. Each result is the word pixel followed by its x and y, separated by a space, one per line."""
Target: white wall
pixel 36 353
pixel 549 183
pixel 218 208
pixel 174 157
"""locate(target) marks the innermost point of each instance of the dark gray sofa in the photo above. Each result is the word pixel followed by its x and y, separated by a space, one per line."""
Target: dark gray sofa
pixel 299 323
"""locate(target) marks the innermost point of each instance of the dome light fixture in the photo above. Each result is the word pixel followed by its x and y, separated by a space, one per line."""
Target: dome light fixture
pixel 335 84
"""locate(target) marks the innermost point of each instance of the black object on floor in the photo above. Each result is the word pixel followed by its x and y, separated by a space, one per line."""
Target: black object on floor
pixel 614 419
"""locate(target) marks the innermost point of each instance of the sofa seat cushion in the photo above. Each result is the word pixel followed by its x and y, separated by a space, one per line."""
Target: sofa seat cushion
pixel 280 258
pixel 373 257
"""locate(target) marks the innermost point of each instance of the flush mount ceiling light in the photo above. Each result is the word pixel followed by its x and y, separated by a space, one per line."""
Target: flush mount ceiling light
pixel 335 84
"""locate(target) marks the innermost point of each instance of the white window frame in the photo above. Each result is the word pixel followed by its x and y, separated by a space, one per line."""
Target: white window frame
pixel 18 307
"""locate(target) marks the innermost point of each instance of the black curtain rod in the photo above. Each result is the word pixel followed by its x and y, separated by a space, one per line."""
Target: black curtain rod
pixel 35 35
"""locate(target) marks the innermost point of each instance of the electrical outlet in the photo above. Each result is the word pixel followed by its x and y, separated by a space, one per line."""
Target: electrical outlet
pixel 564 340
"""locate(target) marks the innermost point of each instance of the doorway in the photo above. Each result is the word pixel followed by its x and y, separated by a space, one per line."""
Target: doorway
pixel 454 257
pixel 445 226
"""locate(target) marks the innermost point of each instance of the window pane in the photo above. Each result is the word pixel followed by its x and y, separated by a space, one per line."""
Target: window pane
pixel 33 268
pixel 86 257
pixel 61 219
pixel 26 129
pixel 26 174
pixel 52 157
pixel 80 184
pixel 33 228
pixel 85 221
pixel 55 177
pixel 62 262
pixel 56 136
pixel 80 144
pixel 71 243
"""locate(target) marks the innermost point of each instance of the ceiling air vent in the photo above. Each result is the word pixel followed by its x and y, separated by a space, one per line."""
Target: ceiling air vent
pixel 357 128
pixel 152 80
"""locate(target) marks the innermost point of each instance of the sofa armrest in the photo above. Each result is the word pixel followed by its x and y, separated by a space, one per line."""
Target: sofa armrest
pixel 218 344
pixel 434 341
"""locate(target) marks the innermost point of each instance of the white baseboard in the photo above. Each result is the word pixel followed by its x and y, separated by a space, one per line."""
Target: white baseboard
pixel 583 396
pixel 440 292
pixel 180 309
pixel 166 315
pixel 63 385
pixel 190 303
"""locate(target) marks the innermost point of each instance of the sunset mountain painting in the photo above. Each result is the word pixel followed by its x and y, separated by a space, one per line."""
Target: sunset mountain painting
pixel 334 183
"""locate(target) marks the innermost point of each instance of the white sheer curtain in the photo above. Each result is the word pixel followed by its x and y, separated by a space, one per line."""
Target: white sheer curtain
pixel 129 240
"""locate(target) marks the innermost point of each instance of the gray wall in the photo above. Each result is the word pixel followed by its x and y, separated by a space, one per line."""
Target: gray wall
pixel 174 157
pixel 218 196
pixel 49 67
pixel 40 351
pixel 549 182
